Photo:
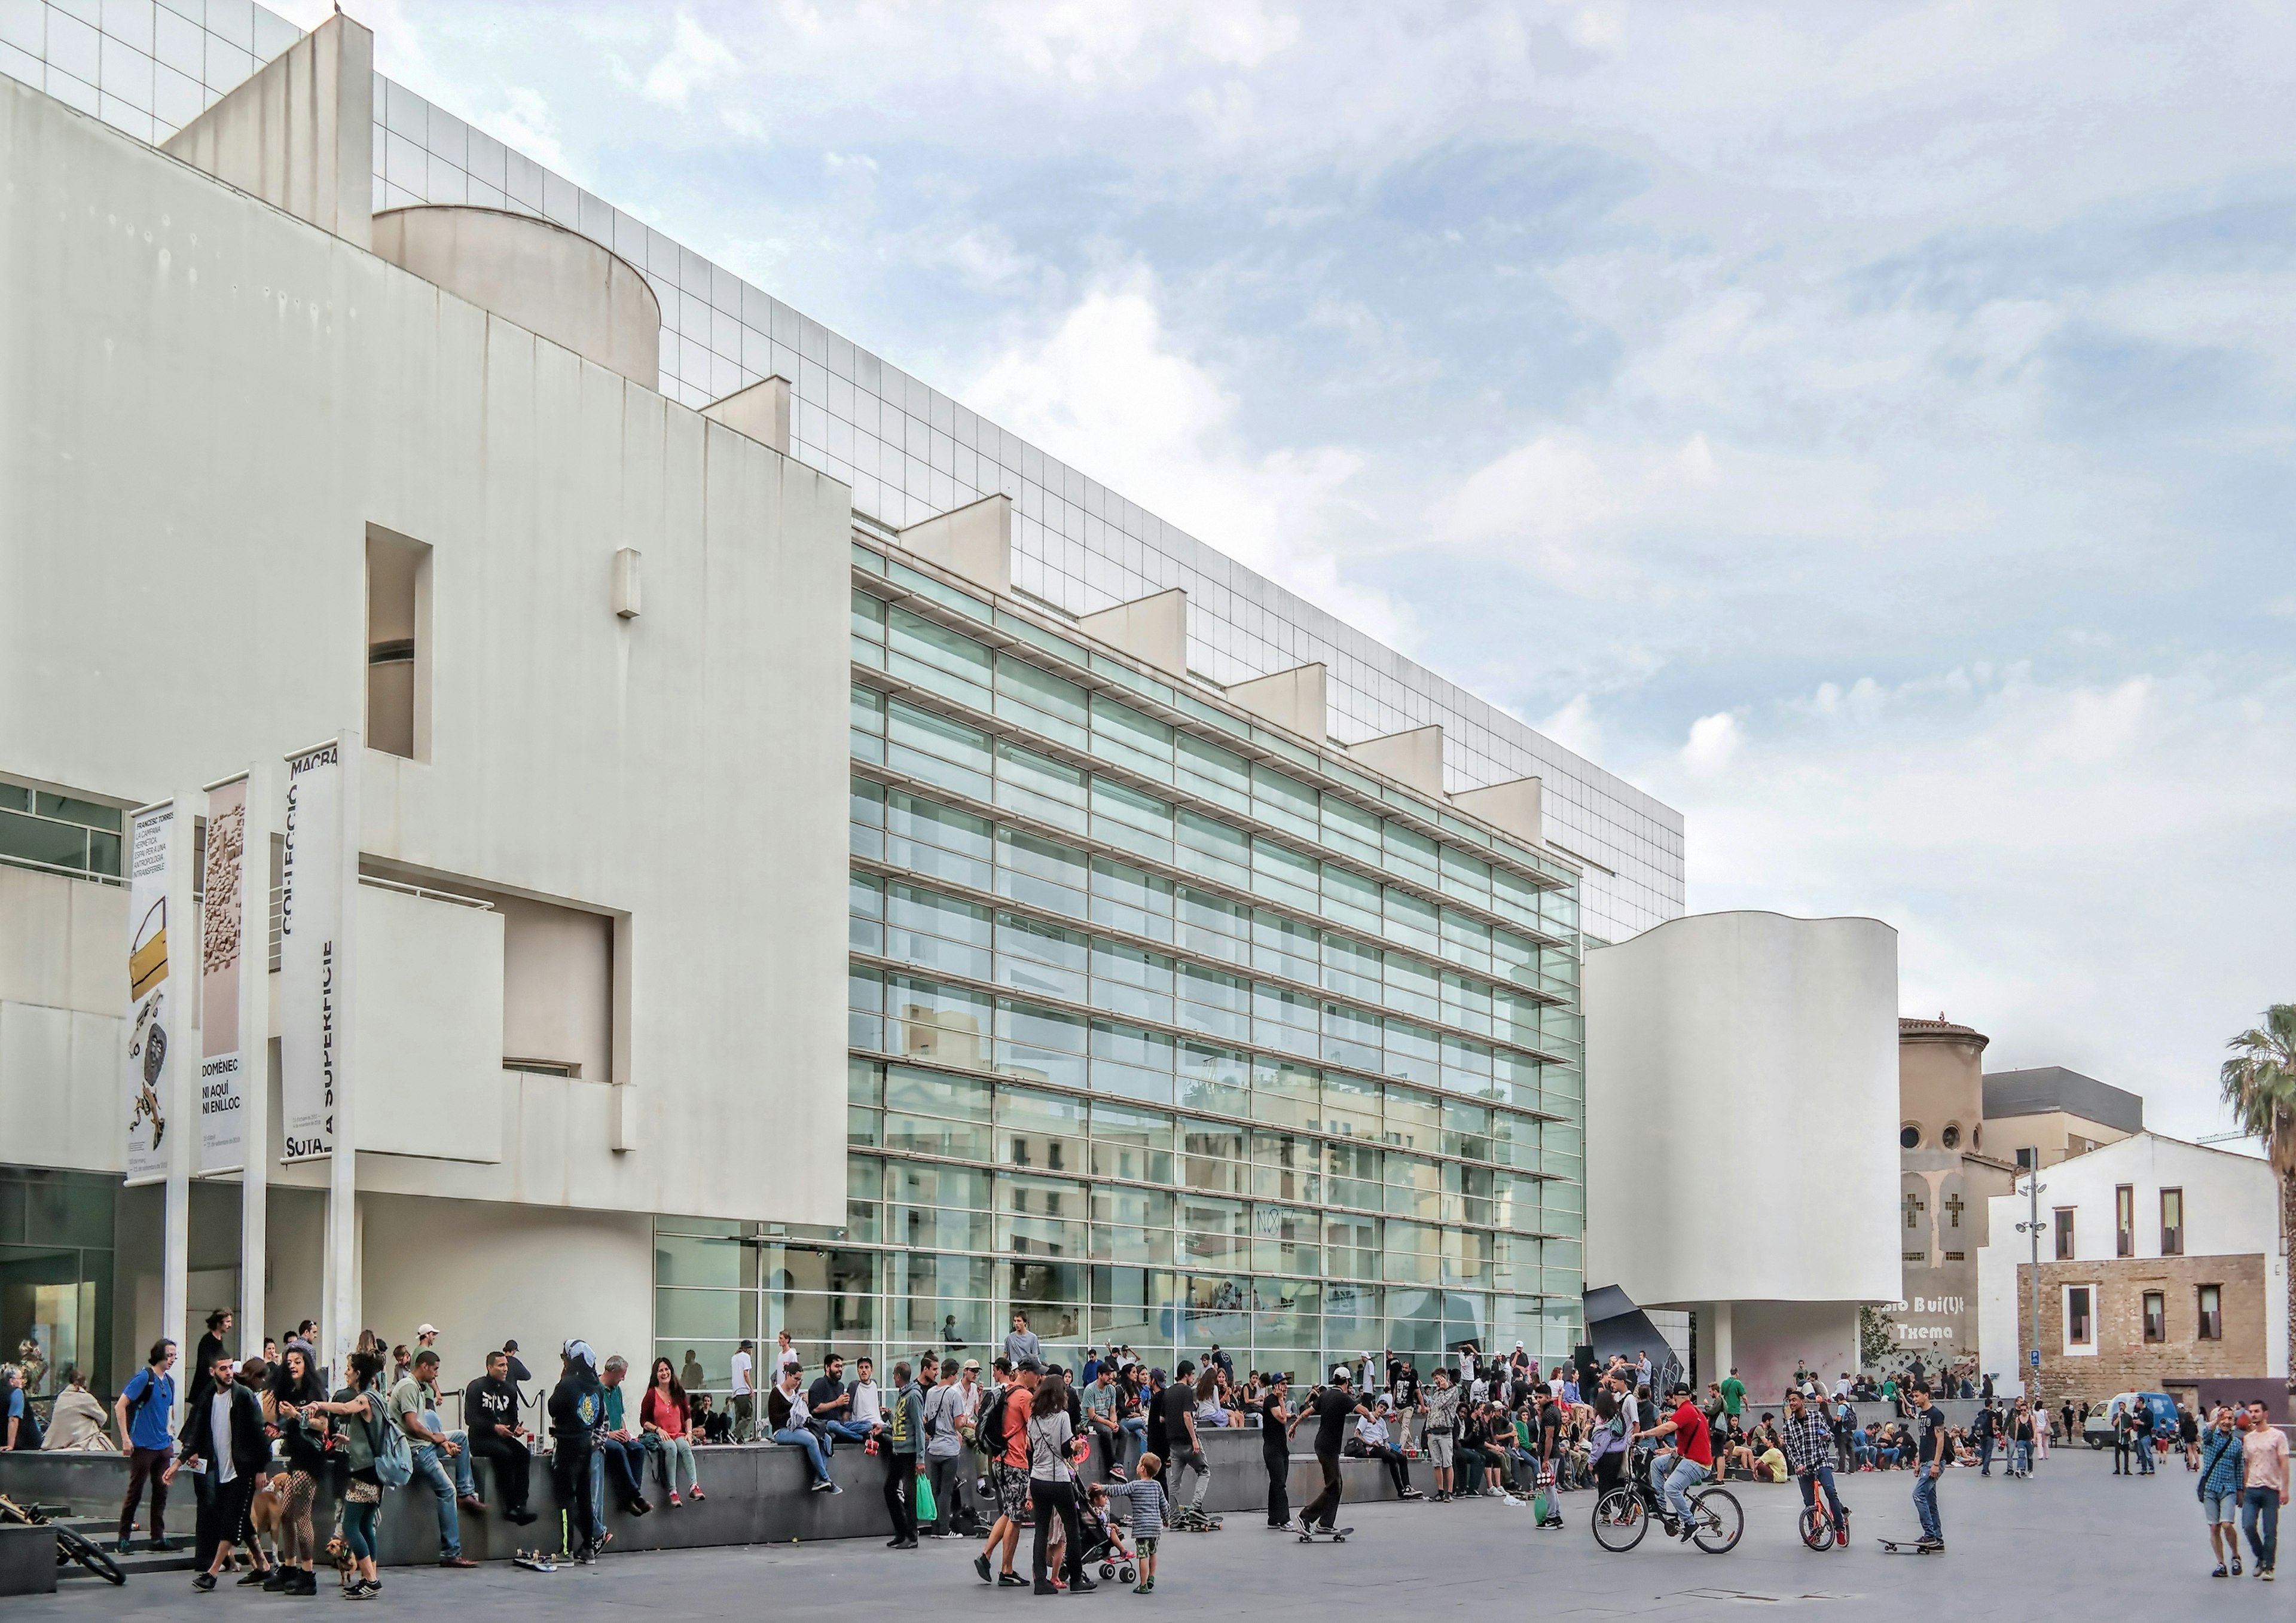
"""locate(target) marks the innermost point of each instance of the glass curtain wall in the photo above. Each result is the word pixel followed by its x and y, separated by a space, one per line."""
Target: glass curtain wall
pixel 1161 1044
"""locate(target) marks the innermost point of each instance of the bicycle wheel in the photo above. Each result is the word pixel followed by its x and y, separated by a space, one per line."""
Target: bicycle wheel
pixel 1620 1520
pixel 71 1544
pixel 1720 1523
pixel 1816 1531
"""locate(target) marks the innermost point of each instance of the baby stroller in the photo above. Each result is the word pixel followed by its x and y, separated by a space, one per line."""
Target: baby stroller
pixel 1103 1544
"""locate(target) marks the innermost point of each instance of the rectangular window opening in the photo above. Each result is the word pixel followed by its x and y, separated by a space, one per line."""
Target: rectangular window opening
pixel 2080 1330
pixel 2172 1222
pixel 2124 1221
pixel 2212 1305
pixel 2063 1229
pixel 397 645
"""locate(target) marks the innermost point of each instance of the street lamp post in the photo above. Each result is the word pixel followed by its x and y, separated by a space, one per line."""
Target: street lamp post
pixel 2032 1230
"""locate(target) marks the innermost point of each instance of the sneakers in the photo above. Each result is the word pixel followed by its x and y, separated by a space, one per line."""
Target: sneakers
pixel 675 1502
pixel 825 1487
pixel 1935 1546
pixel 1011 1580
pixel 258 1575
pixel 2235 1566
pixel 1411 1493
pixel 2263 1573
pixel 980 1565
pixel 1046 1587
pixel 2220 1572
pixel 204 1582
pixel 1081 1584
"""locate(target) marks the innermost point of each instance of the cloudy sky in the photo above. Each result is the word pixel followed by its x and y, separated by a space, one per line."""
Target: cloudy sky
pixel 1868 427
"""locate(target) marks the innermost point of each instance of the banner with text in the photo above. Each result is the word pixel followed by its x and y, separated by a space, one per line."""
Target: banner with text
pixel 224 872
pixel 148 1014
pixel 311 926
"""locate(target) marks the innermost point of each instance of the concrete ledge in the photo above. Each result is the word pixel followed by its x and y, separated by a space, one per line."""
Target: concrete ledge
pixel 757 1494
pixel 28 1560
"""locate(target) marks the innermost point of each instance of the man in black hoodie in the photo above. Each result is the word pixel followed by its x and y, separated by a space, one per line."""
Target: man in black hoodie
pixel 490 1415
pixel 577 1408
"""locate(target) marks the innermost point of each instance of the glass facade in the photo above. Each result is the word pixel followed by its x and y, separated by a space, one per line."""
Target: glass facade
pixel 39 829
pixel 55 1276
pixel 1164 1031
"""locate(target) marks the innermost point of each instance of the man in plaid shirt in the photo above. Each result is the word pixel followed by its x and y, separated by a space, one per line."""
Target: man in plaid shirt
pixel 1809 1439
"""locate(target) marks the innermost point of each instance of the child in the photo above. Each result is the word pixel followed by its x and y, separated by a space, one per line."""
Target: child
pixel 1096 1510
pixel 1145 1495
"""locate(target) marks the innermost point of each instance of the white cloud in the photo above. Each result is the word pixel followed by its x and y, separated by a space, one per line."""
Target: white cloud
pixel 2087 871
pixel 695 58
pixel 1107 390
pixel 1575 728
pixel 528 126
pixel 1713 740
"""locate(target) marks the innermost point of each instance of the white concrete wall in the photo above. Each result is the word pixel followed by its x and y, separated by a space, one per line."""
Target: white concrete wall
pixel 2232 1209
pixel 484 1274
pixel 1770 1339
pixel 1742 1110
pixel 63 991
pixel 431 1027
pixel 204 403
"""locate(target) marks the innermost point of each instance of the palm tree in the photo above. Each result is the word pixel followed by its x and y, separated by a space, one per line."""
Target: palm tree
pixel 2259 1085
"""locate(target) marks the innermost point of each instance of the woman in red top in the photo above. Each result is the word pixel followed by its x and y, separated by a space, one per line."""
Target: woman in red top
pixel 663 1415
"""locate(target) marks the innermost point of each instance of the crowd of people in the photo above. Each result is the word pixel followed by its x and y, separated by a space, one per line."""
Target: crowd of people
pixel 279 1446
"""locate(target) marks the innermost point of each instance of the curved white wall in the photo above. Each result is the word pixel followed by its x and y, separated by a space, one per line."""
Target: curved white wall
pixel 1742 1110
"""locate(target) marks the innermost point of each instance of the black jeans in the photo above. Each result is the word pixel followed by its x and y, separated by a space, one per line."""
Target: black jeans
pixel 1279 1486
pixel 901 1488
pixel 512 1466
pixel 569 1466
pixel 1323 1510
pixel 945 1472
pixel 1056 1499
pixel 1399 1468
pixel 1112 1447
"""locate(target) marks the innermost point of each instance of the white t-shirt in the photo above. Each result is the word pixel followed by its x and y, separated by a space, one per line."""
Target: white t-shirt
pixel 219 1429
pixel 864 1404
pixel 741 1374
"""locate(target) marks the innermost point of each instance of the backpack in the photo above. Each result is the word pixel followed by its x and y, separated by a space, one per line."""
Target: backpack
pixel 394 1460
pixel 989 1423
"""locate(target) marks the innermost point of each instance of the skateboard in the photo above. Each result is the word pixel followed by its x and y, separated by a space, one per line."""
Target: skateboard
pixel 1308 1535
pixel 1906 1546
pixel 1188 1522
pixel 534 1560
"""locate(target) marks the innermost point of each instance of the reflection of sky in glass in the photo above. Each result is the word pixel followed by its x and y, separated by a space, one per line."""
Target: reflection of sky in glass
pixel 907 450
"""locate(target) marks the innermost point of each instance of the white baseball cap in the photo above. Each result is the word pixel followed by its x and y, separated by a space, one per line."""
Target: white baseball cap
pixel 426 1330
pixel 1339 1373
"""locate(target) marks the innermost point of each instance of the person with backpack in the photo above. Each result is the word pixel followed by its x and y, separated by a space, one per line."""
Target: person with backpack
pixel 375 1451
pixel 1002 1430
pixel 2221 1458
pixel 578 1409
pixel 146 1411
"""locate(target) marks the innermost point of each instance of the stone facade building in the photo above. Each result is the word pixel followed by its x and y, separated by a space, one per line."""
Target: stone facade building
pixel 1945 1182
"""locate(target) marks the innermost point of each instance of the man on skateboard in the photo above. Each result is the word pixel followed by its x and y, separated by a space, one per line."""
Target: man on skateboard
pixel 1333 1407
pixel 1932 1451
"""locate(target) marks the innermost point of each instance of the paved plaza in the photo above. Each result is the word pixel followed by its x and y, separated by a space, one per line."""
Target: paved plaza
pixel 2074 1543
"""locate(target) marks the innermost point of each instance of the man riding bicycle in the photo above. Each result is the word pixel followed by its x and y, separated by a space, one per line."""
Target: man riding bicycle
pixel 1674 1471
pixel 1808 1438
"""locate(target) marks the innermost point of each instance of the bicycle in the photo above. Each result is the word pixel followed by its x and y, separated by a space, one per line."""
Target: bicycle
pixel 70 1546
pixel 1816 1525
pixel 1624 1513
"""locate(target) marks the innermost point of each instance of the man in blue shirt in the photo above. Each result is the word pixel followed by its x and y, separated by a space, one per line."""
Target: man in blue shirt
pixel 145 1409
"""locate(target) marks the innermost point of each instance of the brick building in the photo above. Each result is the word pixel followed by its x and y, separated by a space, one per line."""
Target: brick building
pixel 2162 1265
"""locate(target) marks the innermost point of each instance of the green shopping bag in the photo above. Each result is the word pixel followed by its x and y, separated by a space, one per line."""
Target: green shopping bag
pixel 1542 1505
pixel 926 1510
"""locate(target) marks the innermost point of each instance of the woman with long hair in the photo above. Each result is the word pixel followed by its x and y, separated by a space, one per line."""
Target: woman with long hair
pixel 360 1406
pixel 296 1408
pixel 668 1432
pixel 1051 1483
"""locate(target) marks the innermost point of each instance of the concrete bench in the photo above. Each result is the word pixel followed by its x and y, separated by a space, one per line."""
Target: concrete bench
pixel 757 1492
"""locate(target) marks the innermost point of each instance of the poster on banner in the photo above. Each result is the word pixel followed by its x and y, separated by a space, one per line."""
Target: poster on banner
pixel 150 1016
pixel 222 871
pixel 311 926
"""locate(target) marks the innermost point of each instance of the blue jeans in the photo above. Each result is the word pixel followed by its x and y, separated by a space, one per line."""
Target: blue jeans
pixel 430 1473
pixel 1925 1504
pixel 851 1430
pixel 1136 1426
pixel 1670 1476
pixel 466 1484
pixel 2144 1457
pixel 1823 1476
pixel 1985 1456
pixel 2259 1518
pixel 597 1482
pixel 1861 1451
pixel 2025 1457
pixel 797 1436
